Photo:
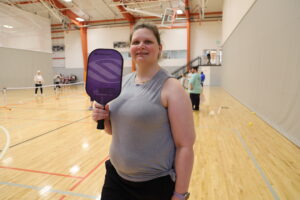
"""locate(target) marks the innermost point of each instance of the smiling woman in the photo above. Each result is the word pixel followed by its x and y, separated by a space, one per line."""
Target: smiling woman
pixel 153 112
pixel 145 47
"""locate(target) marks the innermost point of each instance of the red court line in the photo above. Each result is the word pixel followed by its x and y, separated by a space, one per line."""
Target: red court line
pixel 88 174
pixel 42 172
pixel 52 120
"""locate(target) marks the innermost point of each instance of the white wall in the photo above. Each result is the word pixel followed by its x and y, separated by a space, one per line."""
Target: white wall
pixel 24 48
pixel 58 40
pixel 73 50
pixel 105 37
pixel 204 36
pixel 29 32
pixel 233 12
pixel 173 39
pixel 261 64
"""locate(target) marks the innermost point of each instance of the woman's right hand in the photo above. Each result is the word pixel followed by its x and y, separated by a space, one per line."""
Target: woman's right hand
pixel 99 112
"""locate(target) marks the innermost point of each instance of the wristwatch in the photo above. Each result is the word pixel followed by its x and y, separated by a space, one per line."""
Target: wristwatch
pixel 184 196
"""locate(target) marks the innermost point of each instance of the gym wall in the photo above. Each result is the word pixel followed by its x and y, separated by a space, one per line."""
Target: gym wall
pixel 261 64
pixel 24 48
pixel 18 67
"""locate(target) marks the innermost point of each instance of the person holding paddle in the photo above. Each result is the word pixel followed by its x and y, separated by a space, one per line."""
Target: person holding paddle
pixel 151 123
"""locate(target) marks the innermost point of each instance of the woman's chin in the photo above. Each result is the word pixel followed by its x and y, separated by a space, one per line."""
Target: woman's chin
pixel 140 60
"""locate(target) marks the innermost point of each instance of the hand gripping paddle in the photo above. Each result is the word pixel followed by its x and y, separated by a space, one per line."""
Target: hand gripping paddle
pixel 104 76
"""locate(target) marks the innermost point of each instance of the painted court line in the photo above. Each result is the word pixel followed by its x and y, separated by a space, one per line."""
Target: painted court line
pixel 88 174
pixel 50 190
pixel 48 132
pixel 42 172
pixel 260 170
pixel 39 119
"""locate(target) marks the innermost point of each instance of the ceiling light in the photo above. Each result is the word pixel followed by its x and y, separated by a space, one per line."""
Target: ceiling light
pixel 67 0
pixel 7 26
pixel 79 19
pixel 179 12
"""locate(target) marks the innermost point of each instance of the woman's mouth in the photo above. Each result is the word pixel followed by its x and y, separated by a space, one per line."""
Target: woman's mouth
pixel 141 53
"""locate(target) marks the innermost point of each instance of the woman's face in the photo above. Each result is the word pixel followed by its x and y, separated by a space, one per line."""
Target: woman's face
pixel 144 47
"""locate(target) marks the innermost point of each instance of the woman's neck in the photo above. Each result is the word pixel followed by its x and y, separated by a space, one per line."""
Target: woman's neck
pixel 145 73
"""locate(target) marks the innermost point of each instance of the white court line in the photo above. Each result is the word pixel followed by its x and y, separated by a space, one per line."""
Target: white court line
pixel 7 141
pixel 252 157
pixel 44 86
pixel 50 190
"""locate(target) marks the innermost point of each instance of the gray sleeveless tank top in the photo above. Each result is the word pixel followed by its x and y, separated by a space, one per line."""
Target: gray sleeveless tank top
pixel 142 145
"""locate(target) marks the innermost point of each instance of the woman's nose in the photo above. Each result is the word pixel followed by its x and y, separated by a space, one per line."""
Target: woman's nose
pixel 141 45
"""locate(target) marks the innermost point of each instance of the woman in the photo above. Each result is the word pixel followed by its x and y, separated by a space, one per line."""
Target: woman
pixel 151 122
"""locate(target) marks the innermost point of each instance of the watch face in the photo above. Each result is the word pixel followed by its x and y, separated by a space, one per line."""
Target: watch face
pixel 186 195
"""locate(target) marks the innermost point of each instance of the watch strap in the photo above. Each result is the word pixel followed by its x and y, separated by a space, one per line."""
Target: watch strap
pixel 182 196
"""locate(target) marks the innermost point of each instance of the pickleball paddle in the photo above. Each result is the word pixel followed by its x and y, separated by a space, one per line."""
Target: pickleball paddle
pixel 104 76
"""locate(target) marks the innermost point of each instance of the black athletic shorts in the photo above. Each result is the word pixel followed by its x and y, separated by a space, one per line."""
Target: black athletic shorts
pixel 117 188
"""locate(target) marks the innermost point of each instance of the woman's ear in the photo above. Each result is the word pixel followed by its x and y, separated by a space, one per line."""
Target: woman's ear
pixel 160 51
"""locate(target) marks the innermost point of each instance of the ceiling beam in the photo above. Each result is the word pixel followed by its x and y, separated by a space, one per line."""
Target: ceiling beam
pixel 67 12
pixel 187 9
pixel 125 13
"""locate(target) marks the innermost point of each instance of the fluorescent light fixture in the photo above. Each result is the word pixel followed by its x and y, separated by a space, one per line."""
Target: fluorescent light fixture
pixel 67 0
pixel 179 12
pixel 79 19
pixel 7 26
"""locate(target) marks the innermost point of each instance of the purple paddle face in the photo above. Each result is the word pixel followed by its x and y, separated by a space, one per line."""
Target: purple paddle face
pixel 104 75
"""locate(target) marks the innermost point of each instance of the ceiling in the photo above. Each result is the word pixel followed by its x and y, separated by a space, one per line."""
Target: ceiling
pixel 115 12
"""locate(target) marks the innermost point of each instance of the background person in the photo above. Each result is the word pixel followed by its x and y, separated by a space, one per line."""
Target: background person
pixel 195 88
pixel 202 77
pixel 208 59
pixel 56 80
pixel 38 80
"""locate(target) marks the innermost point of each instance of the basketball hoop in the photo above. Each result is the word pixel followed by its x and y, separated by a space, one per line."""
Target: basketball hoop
pixel 169 17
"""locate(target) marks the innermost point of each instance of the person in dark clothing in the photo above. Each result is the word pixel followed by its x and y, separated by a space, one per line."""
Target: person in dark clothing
pixel 208 58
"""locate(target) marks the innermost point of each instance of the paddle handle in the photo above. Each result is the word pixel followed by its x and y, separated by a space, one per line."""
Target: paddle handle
pixel 100 124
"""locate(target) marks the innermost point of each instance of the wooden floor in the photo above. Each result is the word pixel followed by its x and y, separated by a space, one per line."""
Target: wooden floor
pixel 56 152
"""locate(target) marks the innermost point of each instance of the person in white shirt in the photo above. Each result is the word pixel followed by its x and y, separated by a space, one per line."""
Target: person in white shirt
pixel 38 80
pixel 56 80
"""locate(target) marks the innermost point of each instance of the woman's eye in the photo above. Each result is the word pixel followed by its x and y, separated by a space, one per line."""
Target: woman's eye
pixel 148 42
pixel 135 43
